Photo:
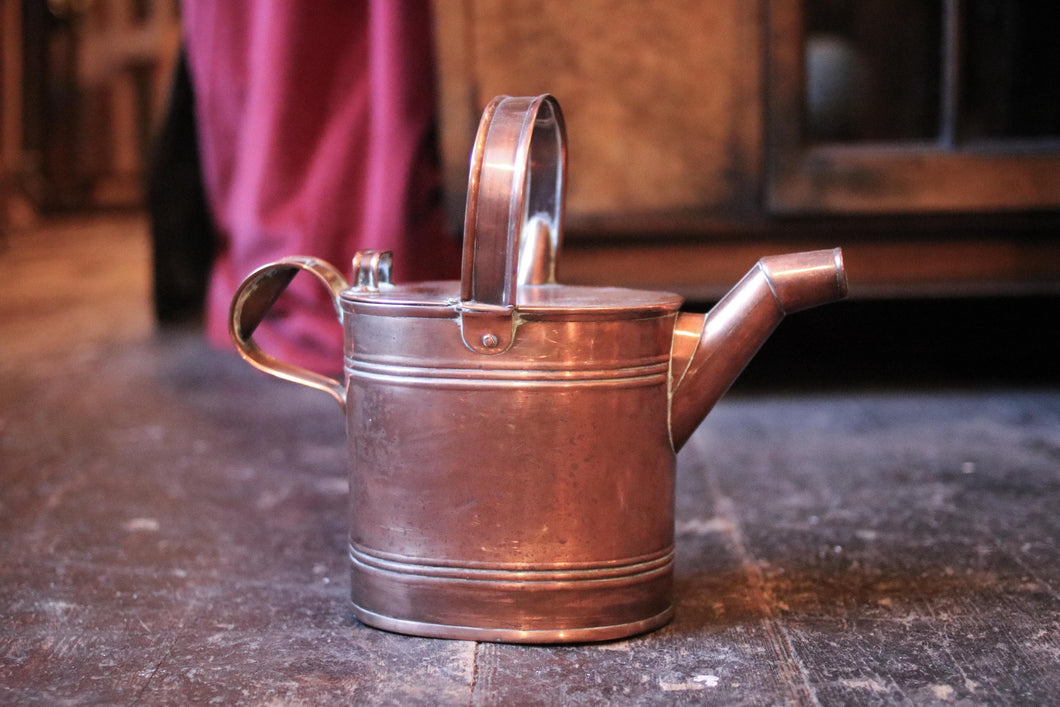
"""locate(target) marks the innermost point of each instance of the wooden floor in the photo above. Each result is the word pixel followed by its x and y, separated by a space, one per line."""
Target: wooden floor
pixel 173 530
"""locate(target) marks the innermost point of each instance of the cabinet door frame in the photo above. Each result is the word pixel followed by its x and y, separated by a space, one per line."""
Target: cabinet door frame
pixel 886 178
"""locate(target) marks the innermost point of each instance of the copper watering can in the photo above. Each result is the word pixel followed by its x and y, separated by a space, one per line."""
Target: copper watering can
pixel 512 441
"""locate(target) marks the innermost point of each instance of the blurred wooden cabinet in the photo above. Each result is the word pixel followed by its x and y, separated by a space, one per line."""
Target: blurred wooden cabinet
pixel 82 85
pixel 705 134
pixel 909 106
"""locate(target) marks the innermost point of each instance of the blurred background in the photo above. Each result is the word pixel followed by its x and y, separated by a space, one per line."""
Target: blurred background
pixel 921 136
pixel 84 85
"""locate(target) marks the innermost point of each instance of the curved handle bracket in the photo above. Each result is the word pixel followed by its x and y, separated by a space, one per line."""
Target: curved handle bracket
pixel 256 296
pixel 488 330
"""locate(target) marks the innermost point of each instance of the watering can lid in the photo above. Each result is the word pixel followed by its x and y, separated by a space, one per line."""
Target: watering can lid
pixel 534 301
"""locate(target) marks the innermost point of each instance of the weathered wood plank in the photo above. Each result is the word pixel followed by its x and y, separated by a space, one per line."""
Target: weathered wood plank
pixel 919 562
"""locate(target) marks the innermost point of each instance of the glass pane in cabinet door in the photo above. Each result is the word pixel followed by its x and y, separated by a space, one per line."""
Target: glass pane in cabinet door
pixel 1011 69
pixel 872 70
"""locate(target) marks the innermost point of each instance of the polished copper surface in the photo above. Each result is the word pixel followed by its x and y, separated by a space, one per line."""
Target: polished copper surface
pixel 710 352
pixel 512 441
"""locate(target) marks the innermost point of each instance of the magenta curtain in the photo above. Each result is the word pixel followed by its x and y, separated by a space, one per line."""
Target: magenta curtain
pixel 315 125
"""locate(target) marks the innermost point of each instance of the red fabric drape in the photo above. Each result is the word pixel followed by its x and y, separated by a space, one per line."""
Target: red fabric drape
pixel 315 124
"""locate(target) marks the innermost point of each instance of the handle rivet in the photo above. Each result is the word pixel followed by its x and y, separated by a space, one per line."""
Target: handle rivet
pixel 490 341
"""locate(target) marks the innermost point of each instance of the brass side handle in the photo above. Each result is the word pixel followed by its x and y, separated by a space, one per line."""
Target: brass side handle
pixel 256 296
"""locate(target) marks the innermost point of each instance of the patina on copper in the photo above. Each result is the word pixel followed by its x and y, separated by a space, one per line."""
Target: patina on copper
pixel 512 441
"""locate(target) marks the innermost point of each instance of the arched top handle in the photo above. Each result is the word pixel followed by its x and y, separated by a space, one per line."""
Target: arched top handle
pixel 514 205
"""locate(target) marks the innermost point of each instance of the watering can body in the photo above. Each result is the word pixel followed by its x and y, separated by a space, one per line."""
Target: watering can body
pixel 522 496
pixel 512 441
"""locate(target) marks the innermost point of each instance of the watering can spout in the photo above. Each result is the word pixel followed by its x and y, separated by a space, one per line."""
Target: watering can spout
pixel 710 352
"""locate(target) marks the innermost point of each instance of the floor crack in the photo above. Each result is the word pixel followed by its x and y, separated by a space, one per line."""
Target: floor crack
pixel 474 673
pixel 794 671
pixel 154 671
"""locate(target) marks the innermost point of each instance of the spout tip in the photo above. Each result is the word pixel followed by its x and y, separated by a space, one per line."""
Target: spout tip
pixel 840 273
pixel 803 280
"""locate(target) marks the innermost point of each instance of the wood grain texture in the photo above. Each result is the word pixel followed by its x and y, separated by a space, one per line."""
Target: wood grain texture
pixel 173 529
